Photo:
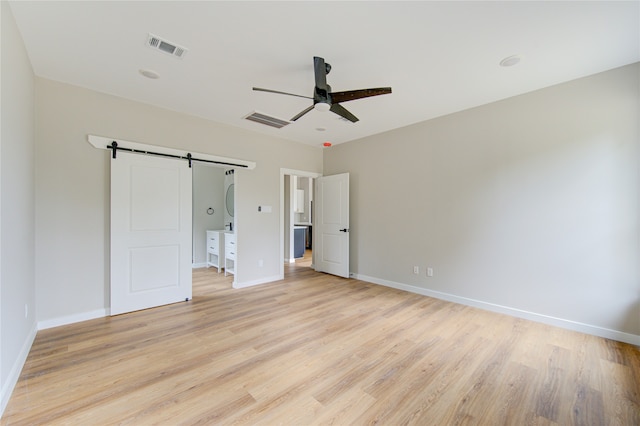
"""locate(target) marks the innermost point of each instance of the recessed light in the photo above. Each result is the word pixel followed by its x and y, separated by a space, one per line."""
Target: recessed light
pixel 149 74
pixel 510 61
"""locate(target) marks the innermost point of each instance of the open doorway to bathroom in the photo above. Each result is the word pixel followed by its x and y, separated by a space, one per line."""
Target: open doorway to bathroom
pixel 213 211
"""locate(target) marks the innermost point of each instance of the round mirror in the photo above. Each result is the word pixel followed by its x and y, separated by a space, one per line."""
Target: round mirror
pixel 230 200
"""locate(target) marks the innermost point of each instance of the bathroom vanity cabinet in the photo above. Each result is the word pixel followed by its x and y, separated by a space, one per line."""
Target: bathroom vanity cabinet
pixel 215 249
pixel 229 253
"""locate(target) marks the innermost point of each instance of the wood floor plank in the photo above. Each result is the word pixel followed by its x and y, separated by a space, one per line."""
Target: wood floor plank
pixel 315 349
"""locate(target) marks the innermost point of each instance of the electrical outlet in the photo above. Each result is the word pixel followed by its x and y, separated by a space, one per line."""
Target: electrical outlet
pixel 429 272
pixel 416 270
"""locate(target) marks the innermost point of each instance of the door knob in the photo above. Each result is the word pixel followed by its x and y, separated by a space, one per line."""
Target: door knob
pixel 344 230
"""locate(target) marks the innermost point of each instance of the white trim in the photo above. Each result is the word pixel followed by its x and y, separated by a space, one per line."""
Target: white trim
pixel 199 265
pixel 9 385
pixel 256 282
pixel 101 142
pixel 72 319
pixel 518 313
pixel 299 173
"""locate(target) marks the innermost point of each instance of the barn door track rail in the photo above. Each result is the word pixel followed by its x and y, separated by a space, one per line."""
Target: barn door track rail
pixel 115 145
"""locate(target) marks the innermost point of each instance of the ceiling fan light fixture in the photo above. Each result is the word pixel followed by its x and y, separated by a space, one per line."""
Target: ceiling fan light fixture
pixel 322 106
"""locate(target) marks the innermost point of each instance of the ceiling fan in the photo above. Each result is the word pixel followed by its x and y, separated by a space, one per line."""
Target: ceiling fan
pixel 324 99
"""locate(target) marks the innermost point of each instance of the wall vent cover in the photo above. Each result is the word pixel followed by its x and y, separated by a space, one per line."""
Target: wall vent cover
pixel 261 118
pixel 157 43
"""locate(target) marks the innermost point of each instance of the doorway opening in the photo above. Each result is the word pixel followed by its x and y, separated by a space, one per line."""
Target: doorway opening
pixel 297 207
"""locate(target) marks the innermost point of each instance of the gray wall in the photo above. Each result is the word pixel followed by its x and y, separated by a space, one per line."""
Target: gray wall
pixel 17 206
pixel 530 203
pixel 72 190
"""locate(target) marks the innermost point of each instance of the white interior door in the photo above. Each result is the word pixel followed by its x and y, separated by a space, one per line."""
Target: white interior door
pixel 150 232
pixel 331 246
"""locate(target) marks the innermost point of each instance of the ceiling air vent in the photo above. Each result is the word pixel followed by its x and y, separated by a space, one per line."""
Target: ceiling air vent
pixel 266 119
pixel 165 46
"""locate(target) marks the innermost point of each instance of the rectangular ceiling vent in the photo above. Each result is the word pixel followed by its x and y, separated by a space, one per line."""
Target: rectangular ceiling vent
pixel 267 119
pixel 156 43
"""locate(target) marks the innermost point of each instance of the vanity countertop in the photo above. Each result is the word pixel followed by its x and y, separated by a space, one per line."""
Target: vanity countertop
pixel 224 231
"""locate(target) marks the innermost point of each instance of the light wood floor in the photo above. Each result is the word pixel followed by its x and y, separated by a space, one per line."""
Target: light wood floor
pixel 316 349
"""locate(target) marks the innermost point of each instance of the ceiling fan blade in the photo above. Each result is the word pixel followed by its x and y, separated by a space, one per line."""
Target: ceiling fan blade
pixel 258 89
pixel 302 113
pixel 320 71
pixel 342 111
pixel 351 95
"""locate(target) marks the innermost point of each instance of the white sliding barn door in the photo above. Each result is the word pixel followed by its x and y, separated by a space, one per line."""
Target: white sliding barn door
pixel 150 232
pixel 331 246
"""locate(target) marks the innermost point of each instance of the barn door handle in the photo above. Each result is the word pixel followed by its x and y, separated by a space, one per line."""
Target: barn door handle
pixel 344 230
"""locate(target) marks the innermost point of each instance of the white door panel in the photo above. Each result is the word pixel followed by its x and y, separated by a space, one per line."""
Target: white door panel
pixel 332 211
pixel 332 248
pixel 150 232
pixel 154 268
pixel 332 223
pixel 157 209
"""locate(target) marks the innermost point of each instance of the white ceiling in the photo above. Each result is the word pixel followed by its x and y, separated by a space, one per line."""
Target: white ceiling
pixel 439 57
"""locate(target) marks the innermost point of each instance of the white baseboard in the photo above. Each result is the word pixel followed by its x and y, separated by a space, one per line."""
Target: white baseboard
pixel 519 313
pixel 198 265
pixel 71 319
pixel 256 282
pixel 16 369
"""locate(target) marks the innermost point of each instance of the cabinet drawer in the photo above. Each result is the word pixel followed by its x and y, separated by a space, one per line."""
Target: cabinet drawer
pixel 230 246
pixel 213 244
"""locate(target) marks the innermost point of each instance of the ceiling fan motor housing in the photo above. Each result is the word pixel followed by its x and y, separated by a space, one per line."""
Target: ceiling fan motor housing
pixel 321 95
